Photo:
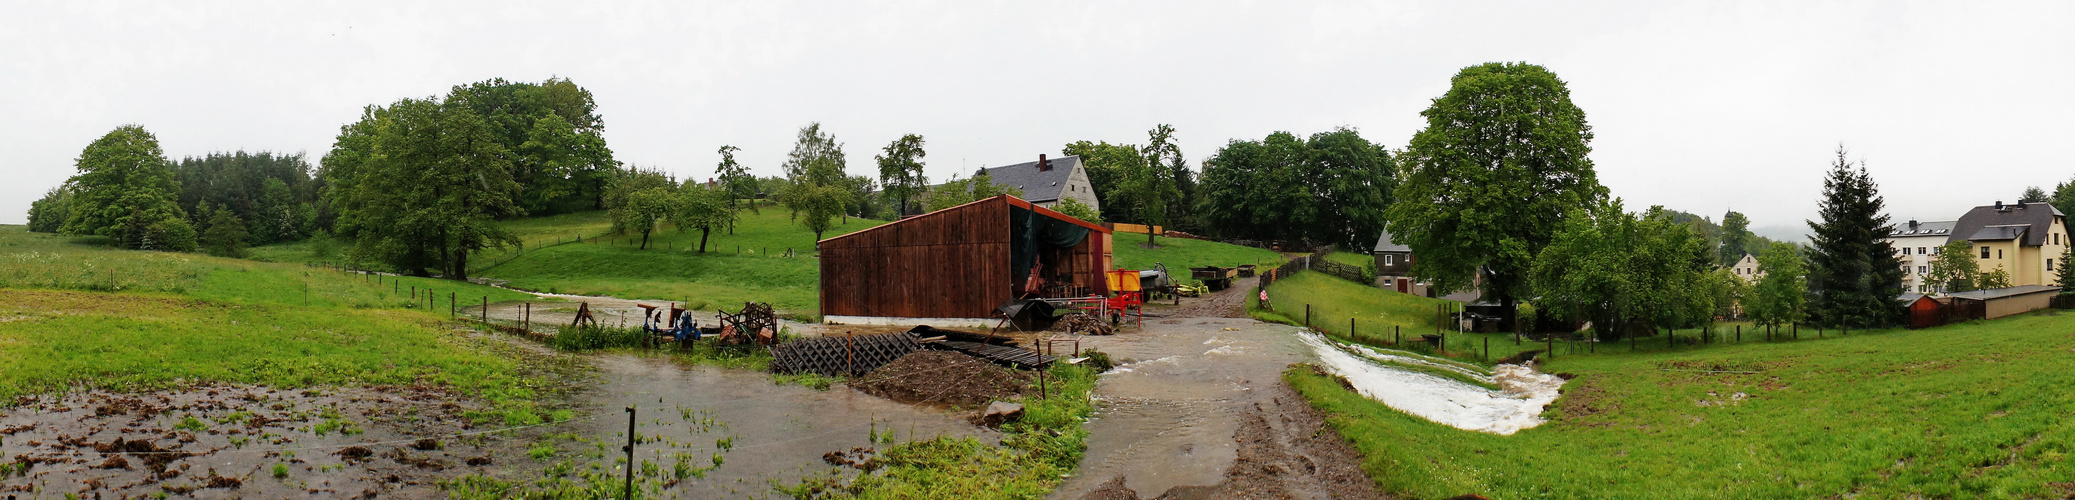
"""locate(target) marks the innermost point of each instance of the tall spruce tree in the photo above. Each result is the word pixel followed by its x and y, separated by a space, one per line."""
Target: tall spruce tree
pixel 1854 272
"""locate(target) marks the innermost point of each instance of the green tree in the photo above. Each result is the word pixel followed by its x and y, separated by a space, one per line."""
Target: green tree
pixel 1611 267
pixel 2064 199
pixel 1352 180
pixel 1108 166
pixel 705 209
pixel 1151 183
pixel 125 191
pixel 420 185
pixel 1995 279
pixel 821 204
pixel 619 194
pixel 554 139
pixel 1780 297
pixel 48 214
pixel 2064 274
pixel 1955 269
pixel 225 236
pixel 1074 208
pixel 1487 183
pixel 1853 270
pixel 2033 194
pixel 816 161
pixel 646 209
pixel 273 193
pixel 1736 235
pixel 736 182
pixel 900 170
pixel 1258 190
pixel 959 191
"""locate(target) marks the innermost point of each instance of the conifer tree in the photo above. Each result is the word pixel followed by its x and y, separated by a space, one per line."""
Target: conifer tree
pixel 1854 272
pixel 2064 276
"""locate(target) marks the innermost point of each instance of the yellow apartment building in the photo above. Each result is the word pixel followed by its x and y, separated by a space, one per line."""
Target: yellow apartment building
pixel 2025 240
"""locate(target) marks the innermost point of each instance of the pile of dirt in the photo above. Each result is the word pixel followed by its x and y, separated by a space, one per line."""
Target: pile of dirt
pixel 943 377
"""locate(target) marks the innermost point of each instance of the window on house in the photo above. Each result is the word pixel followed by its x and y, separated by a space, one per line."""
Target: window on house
pixel 1923 269
pixel 1390 260
pixel 1984 252
pixel 1934 250
pixel 2049 264
pixel 1920 251
pixel 1905 250
pixel 1999 253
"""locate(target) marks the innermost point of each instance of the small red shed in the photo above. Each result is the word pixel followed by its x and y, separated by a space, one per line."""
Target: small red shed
pixel 952 267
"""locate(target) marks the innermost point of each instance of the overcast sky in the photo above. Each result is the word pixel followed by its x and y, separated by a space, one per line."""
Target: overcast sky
pixel 1699 106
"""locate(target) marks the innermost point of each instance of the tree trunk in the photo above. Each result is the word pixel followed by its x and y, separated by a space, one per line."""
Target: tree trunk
pixel 703 232
pixel 461 264
pixel 644 238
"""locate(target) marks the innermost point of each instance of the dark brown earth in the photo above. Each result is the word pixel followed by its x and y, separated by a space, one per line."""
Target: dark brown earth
pixel 223 440
pixel 1285 451
pixel 943 377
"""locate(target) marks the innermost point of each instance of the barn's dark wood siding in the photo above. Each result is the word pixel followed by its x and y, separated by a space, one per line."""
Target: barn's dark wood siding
pixel 952 263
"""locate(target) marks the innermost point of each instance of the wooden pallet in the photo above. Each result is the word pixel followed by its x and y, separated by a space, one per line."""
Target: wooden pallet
pixel 1021 358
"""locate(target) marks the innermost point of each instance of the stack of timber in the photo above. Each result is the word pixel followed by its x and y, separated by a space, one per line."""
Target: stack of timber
pixel 1000 350
pixel 841 356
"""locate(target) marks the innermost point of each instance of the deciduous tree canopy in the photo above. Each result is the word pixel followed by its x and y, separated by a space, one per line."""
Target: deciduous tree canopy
pixel 125 190
pixel 1332 188
pixel 1487 183
pixel 420 184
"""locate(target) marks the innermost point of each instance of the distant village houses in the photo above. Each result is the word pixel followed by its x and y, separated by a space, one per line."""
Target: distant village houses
pixel 1747 268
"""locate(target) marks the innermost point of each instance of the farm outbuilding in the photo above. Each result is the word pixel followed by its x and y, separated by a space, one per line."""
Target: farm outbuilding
pixel 953 267
pixel 2000 302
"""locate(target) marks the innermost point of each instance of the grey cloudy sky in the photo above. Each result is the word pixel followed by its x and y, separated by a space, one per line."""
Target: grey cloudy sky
pixel 1701 106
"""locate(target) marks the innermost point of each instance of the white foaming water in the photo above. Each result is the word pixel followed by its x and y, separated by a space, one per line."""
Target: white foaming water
pixel 1517 405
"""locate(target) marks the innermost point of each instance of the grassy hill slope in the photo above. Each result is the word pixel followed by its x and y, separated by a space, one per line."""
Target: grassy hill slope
pixel 1973 410
pixel 78 314
pixel 749 265
pixel 1181 254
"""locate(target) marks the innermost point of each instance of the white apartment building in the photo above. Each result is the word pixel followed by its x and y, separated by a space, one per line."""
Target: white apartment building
pixel 1916 243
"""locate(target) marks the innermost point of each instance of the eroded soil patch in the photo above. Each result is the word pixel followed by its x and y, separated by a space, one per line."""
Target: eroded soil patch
pixel 258 441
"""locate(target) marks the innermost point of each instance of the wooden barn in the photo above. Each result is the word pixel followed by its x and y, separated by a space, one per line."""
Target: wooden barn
pixel 953 267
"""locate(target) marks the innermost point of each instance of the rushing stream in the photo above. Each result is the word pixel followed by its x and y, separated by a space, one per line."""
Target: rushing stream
pixel 1518 403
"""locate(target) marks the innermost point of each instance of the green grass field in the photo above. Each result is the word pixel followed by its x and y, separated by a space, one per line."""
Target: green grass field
pixel 1334 301
pixel 1181 254
pixel 1973 410
pixel 747 266
pixel 76 314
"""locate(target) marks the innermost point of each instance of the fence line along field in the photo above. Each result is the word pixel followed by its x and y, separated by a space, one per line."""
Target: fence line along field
pixel 1972 410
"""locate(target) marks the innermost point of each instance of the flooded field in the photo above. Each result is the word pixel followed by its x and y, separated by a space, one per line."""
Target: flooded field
pixel 775 433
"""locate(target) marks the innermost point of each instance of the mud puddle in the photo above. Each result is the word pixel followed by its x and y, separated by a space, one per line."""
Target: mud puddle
pixel 774 433
pixel 1170 417
pixel 1518 404
pixel 216 441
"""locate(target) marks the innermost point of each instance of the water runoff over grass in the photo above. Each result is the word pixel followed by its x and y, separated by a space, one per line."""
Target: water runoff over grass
pixel 1501 400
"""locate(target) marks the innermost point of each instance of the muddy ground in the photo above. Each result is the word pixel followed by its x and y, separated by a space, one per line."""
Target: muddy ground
pixel 216 441
pixel 1285 451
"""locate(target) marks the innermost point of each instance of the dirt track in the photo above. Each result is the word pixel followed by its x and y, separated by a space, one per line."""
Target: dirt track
pixel 1285 451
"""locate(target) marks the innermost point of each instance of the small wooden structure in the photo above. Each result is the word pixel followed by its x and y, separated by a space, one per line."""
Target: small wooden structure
pixel 953 267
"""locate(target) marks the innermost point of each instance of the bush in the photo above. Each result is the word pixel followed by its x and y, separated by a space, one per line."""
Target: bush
pixel 595 337
pixel 1098 361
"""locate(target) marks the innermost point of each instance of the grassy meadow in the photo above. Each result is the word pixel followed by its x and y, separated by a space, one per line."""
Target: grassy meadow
pixel 1334 301
pixel 749 265
pixel 1181 254
pixel 1972 410
pixel 77 314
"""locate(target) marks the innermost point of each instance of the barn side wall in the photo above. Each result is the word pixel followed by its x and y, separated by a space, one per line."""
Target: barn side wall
pixel 953 263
